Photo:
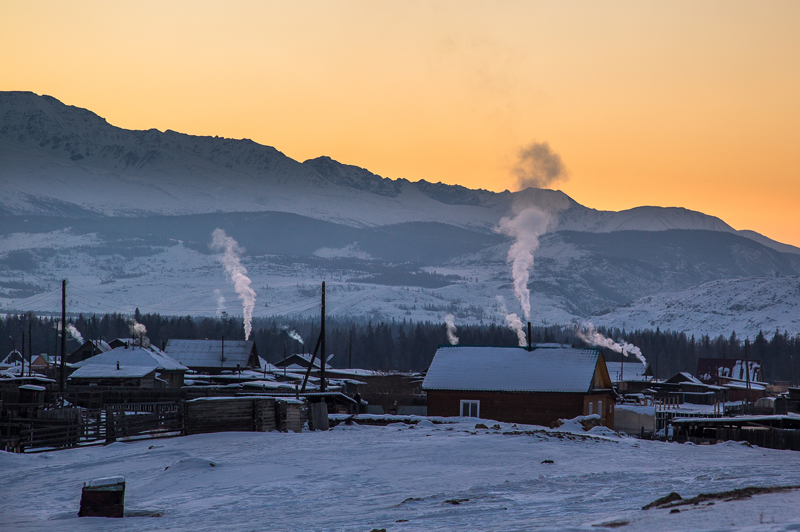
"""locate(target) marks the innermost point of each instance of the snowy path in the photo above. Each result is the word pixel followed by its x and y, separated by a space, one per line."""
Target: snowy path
pixel 357 478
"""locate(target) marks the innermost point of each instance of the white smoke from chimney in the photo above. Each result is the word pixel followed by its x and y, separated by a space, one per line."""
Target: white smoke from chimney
pixel 450 322
pixel 71 330
pixel 525 228
pixel 589 334
pixel 139 332
pixel 220 301
pixel 294 335
pixel 514 322
pixel 230 250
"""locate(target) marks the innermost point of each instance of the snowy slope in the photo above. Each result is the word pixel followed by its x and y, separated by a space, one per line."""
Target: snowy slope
pixel 401 478
pixel 746 306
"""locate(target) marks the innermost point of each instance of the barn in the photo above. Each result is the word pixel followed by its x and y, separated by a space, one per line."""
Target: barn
pixel 517 385
pixel 214 356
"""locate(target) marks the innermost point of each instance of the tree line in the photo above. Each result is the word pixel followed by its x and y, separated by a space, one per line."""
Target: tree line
pixel 400 344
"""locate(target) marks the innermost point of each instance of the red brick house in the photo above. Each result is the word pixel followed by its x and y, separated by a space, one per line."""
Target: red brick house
pixel 515 385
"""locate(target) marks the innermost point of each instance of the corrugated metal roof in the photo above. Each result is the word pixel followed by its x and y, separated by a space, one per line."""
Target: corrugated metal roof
pixel 208 353
pixel 512 369
pixel 133 362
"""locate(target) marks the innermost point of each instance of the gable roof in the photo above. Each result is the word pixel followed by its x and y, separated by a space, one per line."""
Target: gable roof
pixel 512 369
pixel 208 353
pixel 133 362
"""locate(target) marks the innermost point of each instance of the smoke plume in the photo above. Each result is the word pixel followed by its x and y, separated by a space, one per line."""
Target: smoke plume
pixel 538 166
pixel 139 332
pixel 450 322
pixel 72 331
pixel 514 323
pixel 525 228
pixel 589 334
pixel 220 301
pixel 230 250
pixel 294 335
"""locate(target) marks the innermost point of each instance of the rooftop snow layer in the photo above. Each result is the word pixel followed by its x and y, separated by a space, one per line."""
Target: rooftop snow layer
pixel 209 353
pixel 512 369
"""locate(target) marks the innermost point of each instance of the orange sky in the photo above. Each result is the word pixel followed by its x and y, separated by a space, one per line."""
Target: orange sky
pixel 692 104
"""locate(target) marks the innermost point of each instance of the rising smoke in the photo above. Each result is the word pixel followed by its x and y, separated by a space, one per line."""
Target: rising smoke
pixel 450 322
pixel 589 334
pixel 294 335
pixel 220 301
pixel 538 166
pixel 230 250
pixel 139 332
pixel 513 321
pixel 72 331
pixel 525 228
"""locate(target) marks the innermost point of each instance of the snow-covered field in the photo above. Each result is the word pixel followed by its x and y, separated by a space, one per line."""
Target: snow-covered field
pixel 400 478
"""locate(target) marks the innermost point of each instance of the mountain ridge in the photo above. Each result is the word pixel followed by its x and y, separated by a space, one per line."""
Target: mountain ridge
pixel 71 158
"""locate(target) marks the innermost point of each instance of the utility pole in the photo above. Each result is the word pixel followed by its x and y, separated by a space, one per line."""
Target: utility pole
pixel 22 373
pixel 62 387
pixel 350 355
pixel 324 357
pixel 30 342
pixel 747 369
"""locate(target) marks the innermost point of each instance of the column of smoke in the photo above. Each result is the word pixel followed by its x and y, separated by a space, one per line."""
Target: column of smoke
pixel 139 332
pixel 230 250
pixel 513 321
pixel 71 330
pixel 525 228
pixel 589 334
pixel 450 322
pixel 220 301
pixel 294 335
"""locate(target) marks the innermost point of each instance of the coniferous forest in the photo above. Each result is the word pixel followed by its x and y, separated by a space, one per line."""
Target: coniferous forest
pixel 400 345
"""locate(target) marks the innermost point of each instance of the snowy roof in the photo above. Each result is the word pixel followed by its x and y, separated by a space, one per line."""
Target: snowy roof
pixel 208 353
pixel 133 362
pixel 512 369
pixel 630 371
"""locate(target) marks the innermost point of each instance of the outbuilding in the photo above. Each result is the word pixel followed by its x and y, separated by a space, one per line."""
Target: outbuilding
pixel 517 385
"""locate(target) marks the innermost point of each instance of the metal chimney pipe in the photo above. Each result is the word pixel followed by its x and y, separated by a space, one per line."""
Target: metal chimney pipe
pixel 529 337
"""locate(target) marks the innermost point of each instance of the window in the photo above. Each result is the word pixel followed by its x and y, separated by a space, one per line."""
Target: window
pixel 470 408
pixel 600 408
pixel 591 405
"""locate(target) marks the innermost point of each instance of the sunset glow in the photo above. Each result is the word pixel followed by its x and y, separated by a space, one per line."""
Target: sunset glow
pixel 673 103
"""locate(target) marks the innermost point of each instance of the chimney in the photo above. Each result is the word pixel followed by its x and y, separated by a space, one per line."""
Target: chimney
pixel 529 337
pixel 117 364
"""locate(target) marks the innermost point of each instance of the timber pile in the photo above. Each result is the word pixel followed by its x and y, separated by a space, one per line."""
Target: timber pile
pixel 265 418
pixel 239 414
pixel 290 415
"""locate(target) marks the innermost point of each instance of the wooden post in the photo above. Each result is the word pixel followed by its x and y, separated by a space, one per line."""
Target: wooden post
pixel 110 434
pixel 63 381
pixel 30 341
pixel 323 356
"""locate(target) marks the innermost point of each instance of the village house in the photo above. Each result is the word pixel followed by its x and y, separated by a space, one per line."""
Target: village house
pixel 88 349
pixel 130 366
pixel 214 356
pixel 517 385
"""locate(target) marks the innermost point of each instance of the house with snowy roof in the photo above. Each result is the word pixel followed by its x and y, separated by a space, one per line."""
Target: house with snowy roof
pixel 214 356
pixel 144 367
pixel 517 385
pixel 88 349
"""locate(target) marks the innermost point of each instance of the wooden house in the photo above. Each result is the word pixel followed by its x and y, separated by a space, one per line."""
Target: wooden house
pixel 214 356
pixel 88 349
pixel 515 385
pixel 130 366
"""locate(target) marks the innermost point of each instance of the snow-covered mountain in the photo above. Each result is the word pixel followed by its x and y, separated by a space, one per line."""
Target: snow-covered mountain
pixel 126 216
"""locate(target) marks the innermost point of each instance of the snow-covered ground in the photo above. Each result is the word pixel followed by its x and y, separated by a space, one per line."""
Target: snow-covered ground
pixel 358 478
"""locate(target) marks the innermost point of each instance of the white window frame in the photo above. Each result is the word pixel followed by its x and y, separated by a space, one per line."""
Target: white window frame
pixel 470 402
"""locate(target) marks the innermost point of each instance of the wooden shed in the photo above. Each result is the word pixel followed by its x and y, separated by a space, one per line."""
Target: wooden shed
pixel 515 385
